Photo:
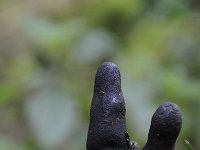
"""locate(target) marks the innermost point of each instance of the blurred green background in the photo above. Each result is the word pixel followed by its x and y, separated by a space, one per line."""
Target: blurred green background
pixel 49 53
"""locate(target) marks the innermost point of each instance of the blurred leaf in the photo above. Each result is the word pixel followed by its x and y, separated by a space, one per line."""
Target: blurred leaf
pixel 51 35
pixel 52 117
pixel 139 97
pixel 95 45
pixel 7 144
pixel 8 91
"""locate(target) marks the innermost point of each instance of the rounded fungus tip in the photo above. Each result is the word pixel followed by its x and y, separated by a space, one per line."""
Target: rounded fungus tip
pixel 167 119
pixel 165 127
pixel 108 78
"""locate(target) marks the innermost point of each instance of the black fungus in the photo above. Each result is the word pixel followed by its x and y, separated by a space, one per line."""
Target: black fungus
pixel 107 128
pixel 107 115
pixel 165 127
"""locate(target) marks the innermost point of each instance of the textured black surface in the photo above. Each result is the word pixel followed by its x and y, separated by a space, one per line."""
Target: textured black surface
pixel 165 127
pixel 107 115
pixel 107 129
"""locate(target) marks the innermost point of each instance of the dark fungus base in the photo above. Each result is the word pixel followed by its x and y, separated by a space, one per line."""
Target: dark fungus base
pixel 107 128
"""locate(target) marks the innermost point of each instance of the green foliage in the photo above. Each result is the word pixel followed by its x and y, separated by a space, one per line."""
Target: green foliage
pixel 49 53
